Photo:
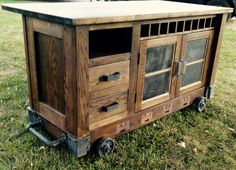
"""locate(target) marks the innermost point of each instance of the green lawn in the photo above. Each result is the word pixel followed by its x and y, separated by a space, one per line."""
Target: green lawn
pixel 210 142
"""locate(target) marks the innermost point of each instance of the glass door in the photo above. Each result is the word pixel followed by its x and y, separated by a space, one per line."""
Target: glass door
pixel 155 71
pixel 195 53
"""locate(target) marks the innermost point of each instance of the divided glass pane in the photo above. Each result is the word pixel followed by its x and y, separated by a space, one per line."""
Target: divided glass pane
pixel 159 58
pixel 156 85
pixel 196 50
pixel 193 74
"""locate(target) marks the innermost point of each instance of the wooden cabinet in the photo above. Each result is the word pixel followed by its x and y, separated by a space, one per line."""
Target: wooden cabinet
pixel 95 75
pixel 172 66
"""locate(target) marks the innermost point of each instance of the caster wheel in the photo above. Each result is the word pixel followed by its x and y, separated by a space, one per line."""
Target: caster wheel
pixel 104 146
pixel 200 104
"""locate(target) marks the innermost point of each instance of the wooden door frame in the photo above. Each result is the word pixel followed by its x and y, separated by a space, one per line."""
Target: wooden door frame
pixel 144 44
pixel 190 37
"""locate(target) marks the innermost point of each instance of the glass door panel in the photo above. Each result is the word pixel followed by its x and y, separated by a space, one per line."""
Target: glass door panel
pixel 155 85
pixel 193 74
pixel 195 52
pixel 155 71
pixel 159 58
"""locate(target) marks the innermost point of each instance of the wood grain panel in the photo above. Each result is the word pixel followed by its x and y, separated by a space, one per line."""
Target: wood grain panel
pixel 82 79
pixel 50 70
pixel 95 107
pixel 95 74
pixel 70 81
pixel 109 59
pixel 108 91
pixel 105 121
pixel 48 28
pixel 52 115
pixel 32 63
pixel 134 67
pixel 27 60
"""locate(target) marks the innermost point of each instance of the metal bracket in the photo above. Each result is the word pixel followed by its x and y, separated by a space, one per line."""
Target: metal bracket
pixel 33 116
pixel 209 93
pixel 77 146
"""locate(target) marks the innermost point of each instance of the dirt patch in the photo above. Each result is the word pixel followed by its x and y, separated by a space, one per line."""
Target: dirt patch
pixel 1 112
pixel 5 73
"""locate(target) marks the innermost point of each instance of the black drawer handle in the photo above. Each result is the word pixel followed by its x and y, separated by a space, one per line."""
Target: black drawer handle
pixel 110 107
pixel 112 77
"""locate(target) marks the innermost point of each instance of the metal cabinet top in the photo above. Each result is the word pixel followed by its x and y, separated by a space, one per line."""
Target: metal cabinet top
pixel 84 13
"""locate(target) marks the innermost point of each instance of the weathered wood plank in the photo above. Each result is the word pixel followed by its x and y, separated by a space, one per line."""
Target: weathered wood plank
pixel 217 46
pixel 27 61
pixel 52 29
pixel 90 13
pixel 95 106
pixel 69 45
pixel 82 79
pixel 52 115
pixel 50 70
pixel 133 67
pixel 32 62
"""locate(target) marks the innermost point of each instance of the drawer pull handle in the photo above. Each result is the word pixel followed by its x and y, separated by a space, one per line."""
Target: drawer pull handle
pixel 112 77
pixel 110 107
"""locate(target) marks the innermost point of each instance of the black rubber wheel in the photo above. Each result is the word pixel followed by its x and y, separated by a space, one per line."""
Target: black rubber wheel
pixel 221 3
pixel 104 146
pixel 200 104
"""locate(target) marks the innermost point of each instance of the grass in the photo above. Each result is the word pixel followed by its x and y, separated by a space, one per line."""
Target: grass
pixel 210 144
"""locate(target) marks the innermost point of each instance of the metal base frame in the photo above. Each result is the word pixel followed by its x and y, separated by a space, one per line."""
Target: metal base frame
pixel 77 146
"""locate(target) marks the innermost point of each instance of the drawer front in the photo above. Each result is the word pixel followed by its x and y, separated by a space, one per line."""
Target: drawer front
pixel 109 76
pixel 107 106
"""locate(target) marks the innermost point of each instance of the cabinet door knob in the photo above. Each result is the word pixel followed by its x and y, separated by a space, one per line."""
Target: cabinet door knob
pixel 112 77
pixel 110 107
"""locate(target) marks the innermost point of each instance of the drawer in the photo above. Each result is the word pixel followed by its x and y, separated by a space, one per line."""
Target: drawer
pixel 105 107
pixel 108 79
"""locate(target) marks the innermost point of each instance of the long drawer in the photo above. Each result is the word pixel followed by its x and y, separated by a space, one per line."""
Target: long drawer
pixel 108 79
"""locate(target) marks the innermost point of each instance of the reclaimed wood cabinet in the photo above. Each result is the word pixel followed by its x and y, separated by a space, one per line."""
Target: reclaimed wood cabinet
pixel 99 70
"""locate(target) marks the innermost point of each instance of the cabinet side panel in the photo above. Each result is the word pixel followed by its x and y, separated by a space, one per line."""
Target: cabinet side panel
pixel 70 80
pixel 82 52
pixel 50 70
pixel 217 42
pixel 27 60
pixel 32 63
